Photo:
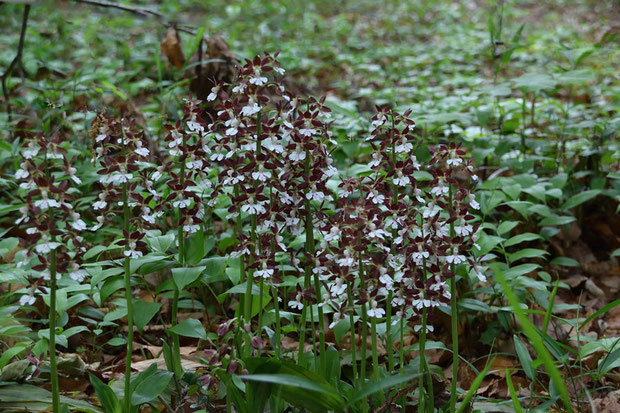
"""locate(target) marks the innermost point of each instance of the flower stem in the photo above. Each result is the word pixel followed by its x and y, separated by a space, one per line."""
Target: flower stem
pixel 242 275
pixel 176 346
pixel 422 368
pixel 454 321
pixel 353 342
pixel 401 351
pixel 388 311
pixel 129 303
pixel 310 250
pixel 260 306
pixel 364 325
pixel 455 341
pixel 388 332
pixel 375 356
pixel 276 306
pixel 52 337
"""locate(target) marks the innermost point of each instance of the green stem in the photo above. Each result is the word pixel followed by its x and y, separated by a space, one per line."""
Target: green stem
pixel 52 340
pixel 276 306
pixel 455 341
pixel 388 332
pixel 423 365
pixel 255 243
pixel 176 345
pixel 302 324
pixel 364 325
pixel 353 342
pixel 314 352
pixel 242 275
pixel 401 352
pixel 260 306
pixel 524 118
pixel 375 356
pixel 454 322
pixel 310 250
pixel 129 303
pixel 388 312
pixel 422 368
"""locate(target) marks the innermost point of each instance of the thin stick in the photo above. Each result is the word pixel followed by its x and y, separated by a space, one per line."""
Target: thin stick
pixel 17 60
pixel 139 11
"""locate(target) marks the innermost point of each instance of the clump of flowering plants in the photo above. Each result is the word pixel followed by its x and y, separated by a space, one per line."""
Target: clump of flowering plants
pixel 306 247
pixel 52 226
pixel 120 151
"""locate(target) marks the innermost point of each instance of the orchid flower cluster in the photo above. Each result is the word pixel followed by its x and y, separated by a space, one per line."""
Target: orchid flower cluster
pixel 47 177
pixel 123 156
pixel 271 153
pixel 403 224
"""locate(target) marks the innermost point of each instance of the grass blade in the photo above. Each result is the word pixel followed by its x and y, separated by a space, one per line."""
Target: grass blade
pixel 474 387
pixel 535 339
pixel 513 394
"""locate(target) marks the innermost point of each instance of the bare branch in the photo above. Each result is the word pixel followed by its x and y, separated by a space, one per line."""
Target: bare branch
pixel 17 61
pixel 144 12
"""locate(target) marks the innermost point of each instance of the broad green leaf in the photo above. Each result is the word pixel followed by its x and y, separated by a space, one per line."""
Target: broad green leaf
pixel 106 395
pixel 575 77
pixel 556 220
pixel 517 239
pixel 524 357
pixel 520 270
pixel 195 248
pixel 487 243
pixel 534 82
pixel 541 209
pixel 151 387
pixel 513 191
pixel 374 387
pixel 538 191
pixel 341 328
pixel 297 385
pixel 190 328
pixel 214 269
pixel 474 305
pixel 580 198
pixel 559 180
pixel 96 250
pixel 506 226
pixel 116 341
pixel 161 243
pixel 11 352
pixel 185 276
pixel 26 397
pixel 565 262
pixel 521 207
pixel 143 312
pixel 527 253
pixel 609 362
pixel 136 263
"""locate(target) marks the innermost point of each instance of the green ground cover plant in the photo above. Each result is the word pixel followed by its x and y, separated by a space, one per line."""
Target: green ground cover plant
pixel 293 206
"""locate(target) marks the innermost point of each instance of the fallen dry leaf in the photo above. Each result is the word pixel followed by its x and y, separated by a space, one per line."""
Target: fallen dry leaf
pixel 171 48
pixel 161 364
pixel 608 404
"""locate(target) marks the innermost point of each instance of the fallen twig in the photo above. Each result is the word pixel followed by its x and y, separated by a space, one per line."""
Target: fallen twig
pixel 17 60
pixel 144 12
